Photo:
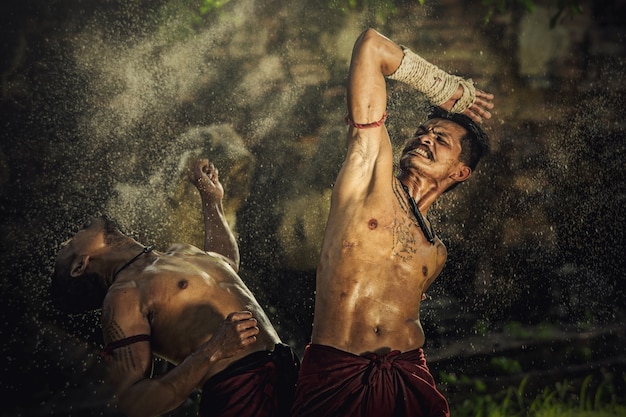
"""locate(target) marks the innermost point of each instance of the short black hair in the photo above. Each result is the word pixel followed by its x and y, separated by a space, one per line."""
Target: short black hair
pixel 86 292
pixel 75 295
pixel 474 145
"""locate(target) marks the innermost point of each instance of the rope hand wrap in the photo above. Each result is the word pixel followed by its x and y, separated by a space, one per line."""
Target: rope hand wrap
pixel 435 83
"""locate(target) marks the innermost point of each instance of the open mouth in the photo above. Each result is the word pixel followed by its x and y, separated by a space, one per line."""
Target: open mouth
pixel 423 152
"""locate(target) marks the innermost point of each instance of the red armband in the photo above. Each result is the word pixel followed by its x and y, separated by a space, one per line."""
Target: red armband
pixel 111 346
pixel 347 120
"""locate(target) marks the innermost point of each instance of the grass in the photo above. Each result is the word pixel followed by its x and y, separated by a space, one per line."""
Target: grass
pixel 566 399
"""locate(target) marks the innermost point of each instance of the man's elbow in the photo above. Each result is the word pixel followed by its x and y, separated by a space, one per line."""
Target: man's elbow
pixel 370 34
pixel 368 38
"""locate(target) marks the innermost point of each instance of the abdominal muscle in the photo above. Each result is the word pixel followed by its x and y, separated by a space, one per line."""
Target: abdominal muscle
pixel 360 315
pixel 373 269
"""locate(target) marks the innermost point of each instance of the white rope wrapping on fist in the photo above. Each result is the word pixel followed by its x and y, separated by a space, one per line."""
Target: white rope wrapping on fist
pixel 435 83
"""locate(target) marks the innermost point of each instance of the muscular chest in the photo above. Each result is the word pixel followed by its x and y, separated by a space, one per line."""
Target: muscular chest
pixel 411 244
pixel 392 242
pixel 184 302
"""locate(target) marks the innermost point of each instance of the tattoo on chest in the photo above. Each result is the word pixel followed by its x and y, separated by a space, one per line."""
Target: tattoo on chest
pixel 404 242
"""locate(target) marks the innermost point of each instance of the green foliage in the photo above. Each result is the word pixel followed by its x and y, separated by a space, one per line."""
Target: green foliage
pixel 502 6
pixel 381 9
pixel 564 8
pixel 464 381
pixel 507 365
pixel 386 8
pixel 481 327
pixel 209 6
pixel 515 329
pixel 590 399
pixel 541 331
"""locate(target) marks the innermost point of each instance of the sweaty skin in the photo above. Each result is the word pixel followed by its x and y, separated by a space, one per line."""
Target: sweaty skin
pixel 376 263
pixel 373 273
pixel 191 302
pixel 180 298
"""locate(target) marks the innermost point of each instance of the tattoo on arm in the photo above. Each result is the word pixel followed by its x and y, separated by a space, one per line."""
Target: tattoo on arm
pixel 113 331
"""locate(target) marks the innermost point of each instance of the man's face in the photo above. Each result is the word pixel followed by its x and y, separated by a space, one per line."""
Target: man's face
pixel 91 237
pixel 434 149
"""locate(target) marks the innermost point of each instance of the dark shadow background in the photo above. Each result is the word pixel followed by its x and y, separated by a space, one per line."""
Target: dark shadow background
pixel 98 99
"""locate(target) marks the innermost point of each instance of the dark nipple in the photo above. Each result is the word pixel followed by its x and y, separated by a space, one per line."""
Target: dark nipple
pixel 182 284
pixel 372 224
pixel 425 270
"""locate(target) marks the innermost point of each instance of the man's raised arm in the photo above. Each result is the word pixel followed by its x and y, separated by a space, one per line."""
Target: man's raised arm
pixel 376 57
pixel 217 234
pixel 373 57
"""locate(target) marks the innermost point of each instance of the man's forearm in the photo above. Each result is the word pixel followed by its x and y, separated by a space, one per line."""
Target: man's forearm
pixel 436 84
pixel 153 397
pixel 217 234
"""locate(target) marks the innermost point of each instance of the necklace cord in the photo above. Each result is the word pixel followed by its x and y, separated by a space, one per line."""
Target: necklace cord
pixel 146 249
pixel 430 236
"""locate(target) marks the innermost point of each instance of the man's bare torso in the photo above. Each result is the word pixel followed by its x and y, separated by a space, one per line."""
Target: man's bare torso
pixel 372 274
pixel 185 294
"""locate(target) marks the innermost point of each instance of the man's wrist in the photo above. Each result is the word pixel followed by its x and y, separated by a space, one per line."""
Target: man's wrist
pixel 436 84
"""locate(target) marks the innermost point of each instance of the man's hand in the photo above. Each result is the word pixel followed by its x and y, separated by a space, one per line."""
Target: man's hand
pixel 237 331
pixel 205 177
pixel 477 111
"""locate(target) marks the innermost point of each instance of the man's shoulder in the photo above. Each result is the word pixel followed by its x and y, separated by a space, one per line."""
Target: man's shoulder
pixel 184 249
pixel 122 293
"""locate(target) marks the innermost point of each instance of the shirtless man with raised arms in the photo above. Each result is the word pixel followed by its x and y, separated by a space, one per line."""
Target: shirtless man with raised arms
pixel 379 253
pixel 185 305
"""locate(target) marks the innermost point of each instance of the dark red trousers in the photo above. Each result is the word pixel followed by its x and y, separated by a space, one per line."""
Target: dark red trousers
pixel 337 383
pixel 262 385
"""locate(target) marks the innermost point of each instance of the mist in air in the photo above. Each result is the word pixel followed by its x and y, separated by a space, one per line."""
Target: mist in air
pixel 104 105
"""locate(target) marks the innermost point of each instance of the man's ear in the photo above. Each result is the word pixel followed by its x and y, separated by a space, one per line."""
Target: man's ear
pixel 462 173
pixel 79 265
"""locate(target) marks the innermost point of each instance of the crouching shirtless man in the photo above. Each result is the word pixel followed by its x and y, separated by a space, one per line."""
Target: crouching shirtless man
pixel 185 305
pixel 379 253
